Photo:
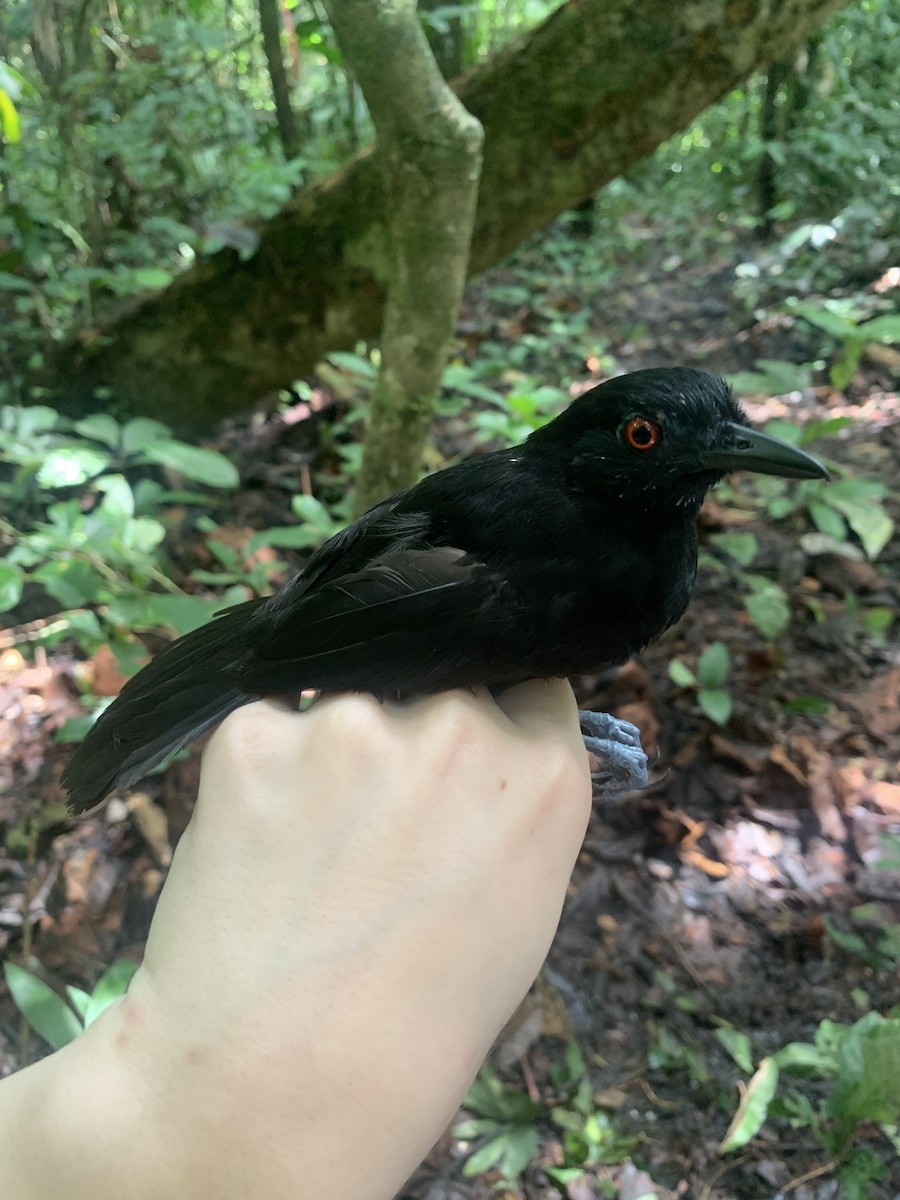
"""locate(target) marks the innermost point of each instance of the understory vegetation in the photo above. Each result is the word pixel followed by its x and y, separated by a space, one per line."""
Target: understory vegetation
pixel 760 243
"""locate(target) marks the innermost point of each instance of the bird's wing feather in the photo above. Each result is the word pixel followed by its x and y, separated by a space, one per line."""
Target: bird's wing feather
pixel 402 614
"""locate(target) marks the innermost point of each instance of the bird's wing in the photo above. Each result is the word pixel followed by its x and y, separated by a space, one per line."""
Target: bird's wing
pixel 405 621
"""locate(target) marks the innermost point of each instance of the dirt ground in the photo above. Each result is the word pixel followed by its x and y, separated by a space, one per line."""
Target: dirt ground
pixel 707 901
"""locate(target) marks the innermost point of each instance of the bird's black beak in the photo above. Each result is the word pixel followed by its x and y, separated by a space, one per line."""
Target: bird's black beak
pixel 749 450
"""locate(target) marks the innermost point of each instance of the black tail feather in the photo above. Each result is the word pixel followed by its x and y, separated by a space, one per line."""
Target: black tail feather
pixel 185 690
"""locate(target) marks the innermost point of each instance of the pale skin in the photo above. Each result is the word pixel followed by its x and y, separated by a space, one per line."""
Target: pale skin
pixel 362 898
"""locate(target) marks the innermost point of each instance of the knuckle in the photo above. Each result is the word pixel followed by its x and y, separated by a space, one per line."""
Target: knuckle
pixel 358 720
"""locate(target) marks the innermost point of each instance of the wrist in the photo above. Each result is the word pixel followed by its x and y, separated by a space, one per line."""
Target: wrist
pixel 71 1125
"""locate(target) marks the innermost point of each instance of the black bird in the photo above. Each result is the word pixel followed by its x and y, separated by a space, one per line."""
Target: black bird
pixel 569 552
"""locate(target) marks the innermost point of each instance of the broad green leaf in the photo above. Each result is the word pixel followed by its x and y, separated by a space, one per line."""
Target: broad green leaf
pixel 11 582
pixel 716 703
pixel 522 1146
pixel 882 329
pixel 845 368
pixel 70 465
pixel 194 462
pixel 753 1108
pixel 143 432
pixel 71 581
pixel 101 427
pixel 118 499
pixel 769 610
pixel 79 1000
pixel 308 508
pixel 738 1046
pixel 13 283
pixel 742 547
pixel 869 522
pixel 9 118
pixel 181 614
pixel 828 520
pixel 838 325
pixel 803 1056
pixel 355 363
pixel 46 1012
pixel 681 674
pixel 142 534
pixel 151 277
pixel 826 428
pixel 868 1074
pixel 485 1157
pixel 112 984
pixel 712 665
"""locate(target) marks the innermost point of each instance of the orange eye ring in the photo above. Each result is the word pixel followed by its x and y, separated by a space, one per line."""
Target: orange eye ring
pixel 641 434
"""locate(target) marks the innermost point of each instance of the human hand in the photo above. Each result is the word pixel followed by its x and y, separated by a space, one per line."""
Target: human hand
pixel 363 896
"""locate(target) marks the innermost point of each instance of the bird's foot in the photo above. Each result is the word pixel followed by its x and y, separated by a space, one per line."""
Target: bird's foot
pixel 617 744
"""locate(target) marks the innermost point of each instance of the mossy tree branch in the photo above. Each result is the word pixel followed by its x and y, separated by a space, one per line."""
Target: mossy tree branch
pixel 428 152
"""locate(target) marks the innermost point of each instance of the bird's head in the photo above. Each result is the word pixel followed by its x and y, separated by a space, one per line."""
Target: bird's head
pixel 663 437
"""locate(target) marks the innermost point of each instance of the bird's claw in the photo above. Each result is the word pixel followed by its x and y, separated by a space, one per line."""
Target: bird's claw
pixel 617 744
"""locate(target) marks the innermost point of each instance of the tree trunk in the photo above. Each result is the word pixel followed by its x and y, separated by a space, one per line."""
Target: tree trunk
pixel 270 24
pixel 565 109
pixel 428 150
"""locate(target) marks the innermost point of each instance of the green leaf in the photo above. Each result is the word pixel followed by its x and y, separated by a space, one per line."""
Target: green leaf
pixel 118 499
pixel 101 427
pixel 11 583
pixel 845 368
pixel 716 703
pixel 828 520
pixel 194 462
pixel 826 428
pixel 112 984
pixel 9 118
pixel 284 537
pixel 738 1046
pixel 181 614
pixel 13 283
pixel 882 329
pixel 143 432
pixel 71 581
pixel 742 547
pixel 869 1068
pixel 70 466
pixel 151 277
pixel 46 1012
pixel 868 520
pixel 79 1000
pixel 681 674
pixel 772 377
pixel 754 1107
pixel 485 1157
pixel 839 326
pixel 769 610
pixel 142 534
pixel 712 665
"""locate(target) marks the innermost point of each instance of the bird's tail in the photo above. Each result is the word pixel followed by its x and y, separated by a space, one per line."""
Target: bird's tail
pixel 182 692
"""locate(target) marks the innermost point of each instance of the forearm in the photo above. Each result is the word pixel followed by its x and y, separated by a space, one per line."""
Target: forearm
pixel 69 1127
pixel 129 1112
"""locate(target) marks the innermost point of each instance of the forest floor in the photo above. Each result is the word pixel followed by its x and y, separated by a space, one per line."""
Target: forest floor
pixel 738 893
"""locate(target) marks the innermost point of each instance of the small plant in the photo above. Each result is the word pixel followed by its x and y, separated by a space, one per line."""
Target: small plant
pixel 60 1021
pixel 518 413
pixel 508 1125
pixel 859 1065
pixel 710 681
pixel 852 328
pixel 505 1126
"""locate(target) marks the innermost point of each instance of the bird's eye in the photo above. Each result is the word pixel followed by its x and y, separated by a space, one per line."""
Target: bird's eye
pixel 640 434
